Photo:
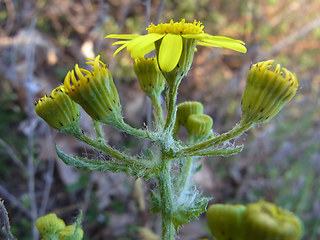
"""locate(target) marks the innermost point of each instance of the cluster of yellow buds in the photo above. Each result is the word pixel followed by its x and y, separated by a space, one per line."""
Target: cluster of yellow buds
pixel 261 220
pixel 53 228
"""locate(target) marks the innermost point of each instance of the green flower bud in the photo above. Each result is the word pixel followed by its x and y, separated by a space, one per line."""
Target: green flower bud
pixel 266 221
pixel 266 92
pixel 49 224
pixel 199 124
pixel 225 221
pixel 94 91
pixel 70 233
pixel 151 80
pixel 186 109
pixel 58 110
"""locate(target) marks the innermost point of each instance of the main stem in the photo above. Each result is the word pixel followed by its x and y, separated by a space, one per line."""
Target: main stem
pixel 165 188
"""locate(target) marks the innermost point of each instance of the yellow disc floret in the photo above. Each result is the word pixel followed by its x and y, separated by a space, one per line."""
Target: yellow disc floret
pixel 176 27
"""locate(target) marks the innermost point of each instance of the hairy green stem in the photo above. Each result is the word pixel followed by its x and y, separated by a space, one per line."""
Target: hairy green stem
pixel 165 188
pixel 101 145
pixel 171 104
pixel 184 175
pixel 98 129
pixel 157 112
pixel 124 127
pixel 236 131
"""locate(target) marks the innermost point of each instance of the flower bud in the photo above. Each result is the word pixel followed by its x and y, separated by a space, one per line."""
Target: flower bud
pixel 266 92
pixel 58 110
pixel 199 124
pixel 186 109
pixel 94 91
pixel 225 221
pixel 265 221
pixel 151 80
pixel 71 233
pixel 49 224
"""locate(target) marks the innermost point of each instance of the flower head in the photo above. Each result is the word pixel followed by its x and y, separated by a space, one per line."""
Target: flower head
pixel 58 110
pixel 225 221
pixel 150 78
pixel 49 224
pixel 71 233
pixel 264 221
pixel 266 92
pixel 199 124
pixel 94 91
pixel 171 40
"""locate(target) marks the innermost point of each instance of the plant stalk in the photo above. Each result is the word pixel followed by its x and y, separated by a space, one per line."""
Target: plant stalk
pixel 165 188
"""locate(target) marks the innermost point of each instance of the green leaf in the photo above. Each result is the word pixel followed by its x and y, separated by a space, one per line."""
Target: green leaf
pixel 99 165
pixel 156 203
pixel 189 209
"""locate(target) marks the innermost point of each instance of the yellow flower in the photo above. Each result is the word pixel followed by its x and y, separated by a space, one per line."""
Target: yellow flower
pixel 266 92
pixel 94 91
pixel 170 39
pixel 58 110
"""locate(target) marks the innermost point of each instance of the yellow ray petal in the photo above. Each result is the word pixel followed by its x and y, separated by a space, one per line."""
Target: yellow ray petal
pixel 140 52
pixel 230 45
pixel 206 44
pixel 170 52
pixel 120 48
pixel 204 36
pixel 143 41
pixel 122 36
pixel 119 42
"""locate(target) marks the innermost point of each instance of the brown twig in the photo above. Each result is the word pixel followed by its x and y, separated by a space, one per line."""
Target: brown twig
pixel 30 59
pixel 5 220
pixel 48 183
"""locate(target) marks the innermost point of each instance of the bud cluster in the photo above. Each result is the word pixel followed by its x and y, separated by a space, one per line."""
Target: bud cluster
pixel 53 228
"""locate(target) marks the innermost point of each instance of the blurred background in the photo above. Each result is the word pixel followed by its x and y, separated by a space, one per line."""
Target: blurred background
pixel 40 40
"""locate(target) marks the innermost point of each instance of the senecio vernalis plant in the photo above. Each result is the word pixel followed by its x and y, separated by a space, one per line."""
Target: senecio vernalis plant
pixel 175 197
